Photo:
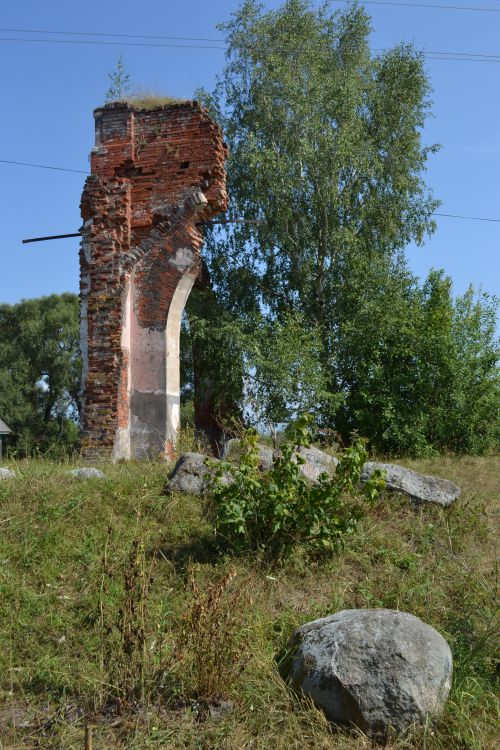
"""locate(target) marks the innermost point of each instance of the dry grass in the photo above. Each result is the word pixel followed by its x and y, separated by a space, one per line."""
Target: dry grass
pixel 438 564
pixel 152 99
pixel 212 651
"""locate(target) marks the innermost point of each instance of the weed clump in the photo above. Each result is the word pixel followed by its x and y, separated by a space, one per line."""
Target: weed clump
pixel 273 512
pixel 212 650
pixel 124 628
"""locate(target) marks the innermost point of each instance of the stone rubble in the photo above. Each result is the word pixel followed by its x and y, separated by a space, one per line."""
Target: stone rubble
pixel 190 469
pixel 191 474
pixel 317 461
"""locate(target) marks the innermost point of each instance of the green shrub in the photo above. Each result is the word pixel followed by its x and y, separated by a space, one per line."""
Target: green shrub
pixel 274 511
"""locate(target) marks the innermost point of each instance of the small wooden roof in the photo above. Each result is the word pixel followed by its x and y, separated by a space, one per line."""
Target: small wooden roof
pixel 4 429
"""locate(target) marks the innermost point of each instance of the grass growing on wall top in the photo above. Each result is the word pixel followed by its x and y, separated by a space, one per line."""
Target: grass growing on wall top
pixel 151 99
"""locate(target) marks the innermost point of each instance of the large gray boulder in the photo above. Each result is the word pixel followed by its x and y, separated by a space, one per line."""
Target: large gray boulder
pixel 232 453
pixel 6 473
pixel 420 487
pixel 316 461
pixel 379 669
pixel 191 474
pixel 88 472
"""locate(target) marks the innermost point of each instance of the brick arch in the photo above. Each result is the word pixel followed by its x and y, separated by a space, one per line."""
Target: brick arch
pixel 156 175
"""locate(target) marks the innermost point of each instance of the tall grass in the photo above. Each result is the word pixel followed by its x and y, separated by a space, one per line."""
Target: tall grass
pixel 86 565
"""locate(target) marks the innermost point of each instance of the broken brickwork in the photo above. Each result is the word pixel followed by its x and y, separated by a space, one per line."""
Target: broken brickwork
pixel 156 176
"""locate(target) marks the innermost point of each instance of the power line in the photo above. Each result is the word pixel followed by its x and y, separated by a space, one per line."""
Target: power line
pixel 201 39
pixel 198 39
pixel 81 171
pixel 42 166
pixel 462 54
pixel 469 218
pixel 435 55
pixel 115 44
pixel 102 33
pixel 488 57
pixel 425 5
pixel 462 59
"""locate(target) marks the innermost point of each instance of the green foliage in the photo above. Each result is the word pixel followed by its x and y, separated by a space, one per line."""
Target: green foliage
pixel 277 510
pixel 40 372
pixel 270 369
pixel 283 373
pixel 151 99
pixel 211 354
pixel 425 375
pixel 326 150
pixel 119 83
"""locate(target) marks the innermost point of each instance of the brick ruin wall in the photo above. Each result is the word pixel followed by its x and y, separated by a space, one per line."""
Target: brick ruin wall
pixel 156 175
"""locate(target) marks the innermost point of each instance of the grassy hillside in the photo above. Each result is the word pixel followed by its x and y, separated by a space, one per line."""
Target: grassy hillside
pixel 105 616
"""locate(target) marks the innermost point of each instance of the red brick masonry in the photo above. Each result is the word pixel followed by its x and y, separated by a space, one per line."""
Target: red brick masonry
pixel 155 174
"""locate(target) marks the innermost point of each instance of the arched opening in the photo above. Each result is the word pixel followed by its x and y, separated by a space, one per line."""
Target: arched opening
pixel 187 375
pixel 153 374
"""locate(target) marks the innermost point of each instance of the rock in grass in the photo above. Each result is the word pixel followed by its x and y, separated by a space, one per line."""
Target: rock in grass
pixel 420 487
pixel 379 669
pixel 191 474
pixel 232 453
pixel 6 473
pixel 316 461
pixel 86 473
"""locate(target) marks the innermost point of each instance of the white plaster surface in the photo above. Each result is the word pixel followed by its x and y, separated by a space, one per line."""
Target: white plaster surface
pixel 121 448
pixel 154 378
pixel 148 358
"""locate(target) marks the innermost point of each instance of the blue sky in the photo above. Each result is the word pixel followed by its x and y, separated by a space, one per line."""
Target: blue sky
pixel 50 90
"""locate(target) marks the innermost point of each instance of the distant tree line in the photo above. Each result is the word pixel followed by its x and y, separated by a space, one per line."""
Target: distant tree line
pixel 40 371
